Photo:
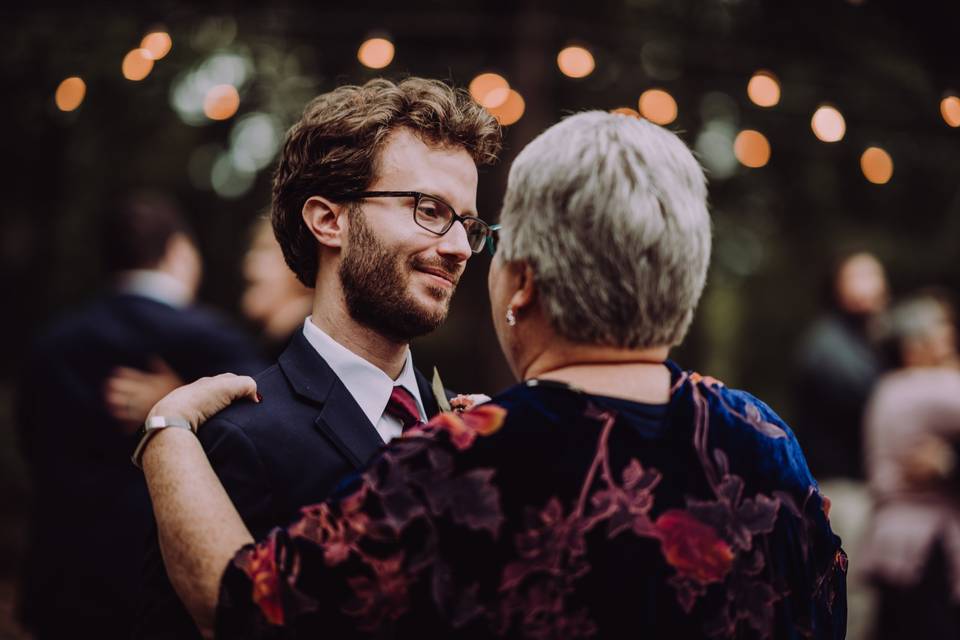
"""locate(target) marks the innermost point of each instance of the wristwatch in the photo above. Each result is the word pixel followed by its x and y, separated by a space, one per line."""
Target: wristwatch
pixel 150 429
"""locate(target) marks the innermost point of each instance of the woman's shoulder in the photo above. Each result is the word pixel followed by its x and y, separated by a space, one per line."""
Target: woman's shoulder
pixel 752 433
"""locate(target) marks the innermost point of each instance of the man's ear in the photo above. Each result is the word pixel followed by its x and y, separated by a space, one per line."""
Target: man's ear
pixel 323 220
pixel 524 287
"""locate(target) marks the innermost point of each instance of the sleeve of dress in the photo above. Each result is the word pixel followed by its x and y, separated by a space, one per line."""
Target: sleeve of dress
pixel 814 568
pixel 808 566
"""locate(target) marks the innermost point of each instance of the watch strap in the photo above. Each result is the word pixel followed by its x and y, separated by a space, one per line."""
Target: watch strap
pixel 150 429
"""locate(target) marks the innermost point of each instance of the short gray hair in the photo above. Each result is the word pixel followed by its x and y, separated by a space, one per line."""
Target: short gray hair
pixel 610 211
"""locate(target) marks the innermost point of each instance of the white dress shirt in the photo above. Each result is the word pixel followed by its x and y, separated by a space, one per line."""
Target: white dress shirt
pixel 155 285
pixel 366 382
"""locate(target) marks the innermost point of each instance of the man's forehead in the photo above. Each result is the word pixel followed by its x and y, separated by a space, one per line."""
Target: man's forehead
pixel 408 162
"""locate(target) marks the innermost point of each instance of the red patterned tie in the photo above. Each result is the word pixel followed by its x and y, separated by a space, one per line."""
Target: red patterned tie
pixel 403 407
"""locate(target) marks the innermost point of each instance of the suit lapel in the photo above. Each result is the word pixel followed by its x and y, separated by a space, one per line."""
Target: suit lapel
pixel 341 420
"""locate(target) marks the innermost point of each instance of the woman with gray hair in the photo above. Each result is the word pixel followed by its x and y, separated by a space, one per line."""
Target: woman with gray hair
pixel 608 493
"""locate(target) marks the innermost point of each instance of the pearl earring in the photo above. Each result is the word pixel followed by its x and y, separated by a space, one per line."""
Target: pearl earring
pixel 511 317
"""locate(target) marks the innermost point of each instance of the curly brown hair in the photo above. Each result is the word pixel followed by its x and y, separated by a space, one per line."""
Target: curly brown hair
pixel 335 146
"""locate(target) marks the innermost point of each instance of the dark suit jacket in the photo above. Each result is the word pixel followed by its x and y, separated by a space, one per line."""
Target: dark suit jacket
pixel 92 516
pixel 290 450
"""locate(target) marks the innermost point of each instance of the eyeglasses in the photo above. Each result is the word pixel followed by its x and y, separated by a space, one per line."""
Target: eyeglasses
pixel 492 239
pixel 436 216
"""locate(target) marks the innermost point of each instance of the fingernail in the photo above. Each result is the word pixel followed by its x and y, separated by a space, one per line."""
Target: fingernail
pixel 259 397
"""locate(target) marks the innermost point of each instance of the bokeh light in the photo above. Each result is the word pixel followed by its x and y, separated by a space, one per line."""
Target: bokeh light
pixel 376 53
pixel 751 148
pixel 877 165
pixel 254 141
pixel 714 146
pixel 137 64
pixel 764 89
pixel 656 105
pixel 221 102
pixel 70 93
pixel 828 124
pixel 188 91
pixel 490 90
pixel 511 110
pixel 576 62
pixel 626 111
pixel 950 110
pixel 157 44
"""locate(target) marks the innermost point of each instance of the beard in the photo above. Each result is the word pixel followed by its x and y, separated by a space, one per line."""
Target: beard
pixel 376 287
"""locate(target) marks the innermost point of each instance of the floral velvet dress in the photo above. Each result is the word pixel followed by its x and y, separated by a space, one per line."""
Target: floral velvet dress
pixel 552 513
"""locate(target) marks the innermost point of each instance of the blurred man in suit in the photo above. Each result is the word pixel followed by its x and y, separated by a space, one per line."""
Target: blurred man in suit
pixel 374 207
pixel 92 515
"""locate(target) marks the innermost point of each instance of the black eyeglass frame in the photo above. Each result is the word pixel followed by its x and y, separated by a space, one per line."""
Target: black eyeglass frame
pixel 417 197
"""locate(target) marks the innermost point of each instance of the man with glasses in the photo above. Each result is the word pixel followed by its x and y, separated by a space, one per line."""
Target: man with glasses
pixel 374 206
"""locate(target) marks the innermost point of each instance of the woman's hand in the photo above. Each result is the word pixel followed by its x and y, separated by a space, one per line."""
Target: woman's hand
pixel 198 401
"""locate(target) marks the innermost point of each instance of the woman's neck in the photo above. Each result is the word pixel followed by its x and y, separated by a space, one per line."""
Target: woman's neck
pixel 634 374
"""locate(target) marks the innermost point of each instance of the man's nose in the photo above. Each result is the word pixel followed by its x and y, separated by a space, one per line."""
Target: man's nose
pixel 454 244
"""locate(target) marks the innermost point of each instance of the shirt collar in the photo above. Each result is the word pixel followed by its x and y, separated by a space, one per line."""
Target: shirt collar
pixel 367 383
pixel 155 285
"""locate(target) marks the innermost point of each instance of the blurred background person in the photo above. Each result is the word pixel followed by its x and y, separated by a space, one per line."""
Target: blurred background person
pixel 837 366
pixel 273 299
pixel 912 427
pixel 91 513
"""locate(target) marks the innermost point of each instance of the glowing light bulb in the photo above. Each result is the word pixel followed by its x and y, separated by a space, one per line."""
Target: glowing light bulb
pixel 763 89
pixel 490 90
pixel 877 165
pixel 576 62
pixel 751 148
pixel 828 124
pixel 221 102
pixel 137 65
pixel 511 110
pixel 656 105
pixel 70 93
pixel 376 53
pixel 157 44
pixel 950 110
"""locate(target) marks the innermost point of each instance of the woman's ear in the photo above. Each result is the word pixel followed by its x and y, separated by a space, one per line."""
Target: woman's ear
pixel 524 287
pixel 323 220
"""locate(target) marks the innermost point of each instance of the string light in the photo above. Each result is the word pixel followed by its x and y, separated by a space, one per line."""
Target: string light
pixel 511 110
pixel 137 65
pixel 157 44
pixel 576 62
pixel 764 89
pixel 877 165
pixel 828 124
pixel 950 110
pixel 221 102
pixel 490 90
pixel 656 105
pixel 376 53
pixel 626 111
pixel 70 93
pixel 751 148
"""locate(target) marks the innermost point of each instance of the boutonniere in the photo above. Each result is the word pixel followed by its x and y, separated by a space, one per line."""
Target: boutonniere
pixel 438 392
pixel 460 403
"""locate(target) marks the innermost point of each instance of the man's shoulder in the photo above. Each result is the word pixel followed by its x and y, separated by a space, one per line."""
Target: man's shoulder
pixel 279 403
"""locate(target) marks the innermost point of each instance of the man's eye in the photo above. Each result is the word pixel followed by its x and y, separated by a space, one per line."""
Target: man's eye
pixel 430 210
